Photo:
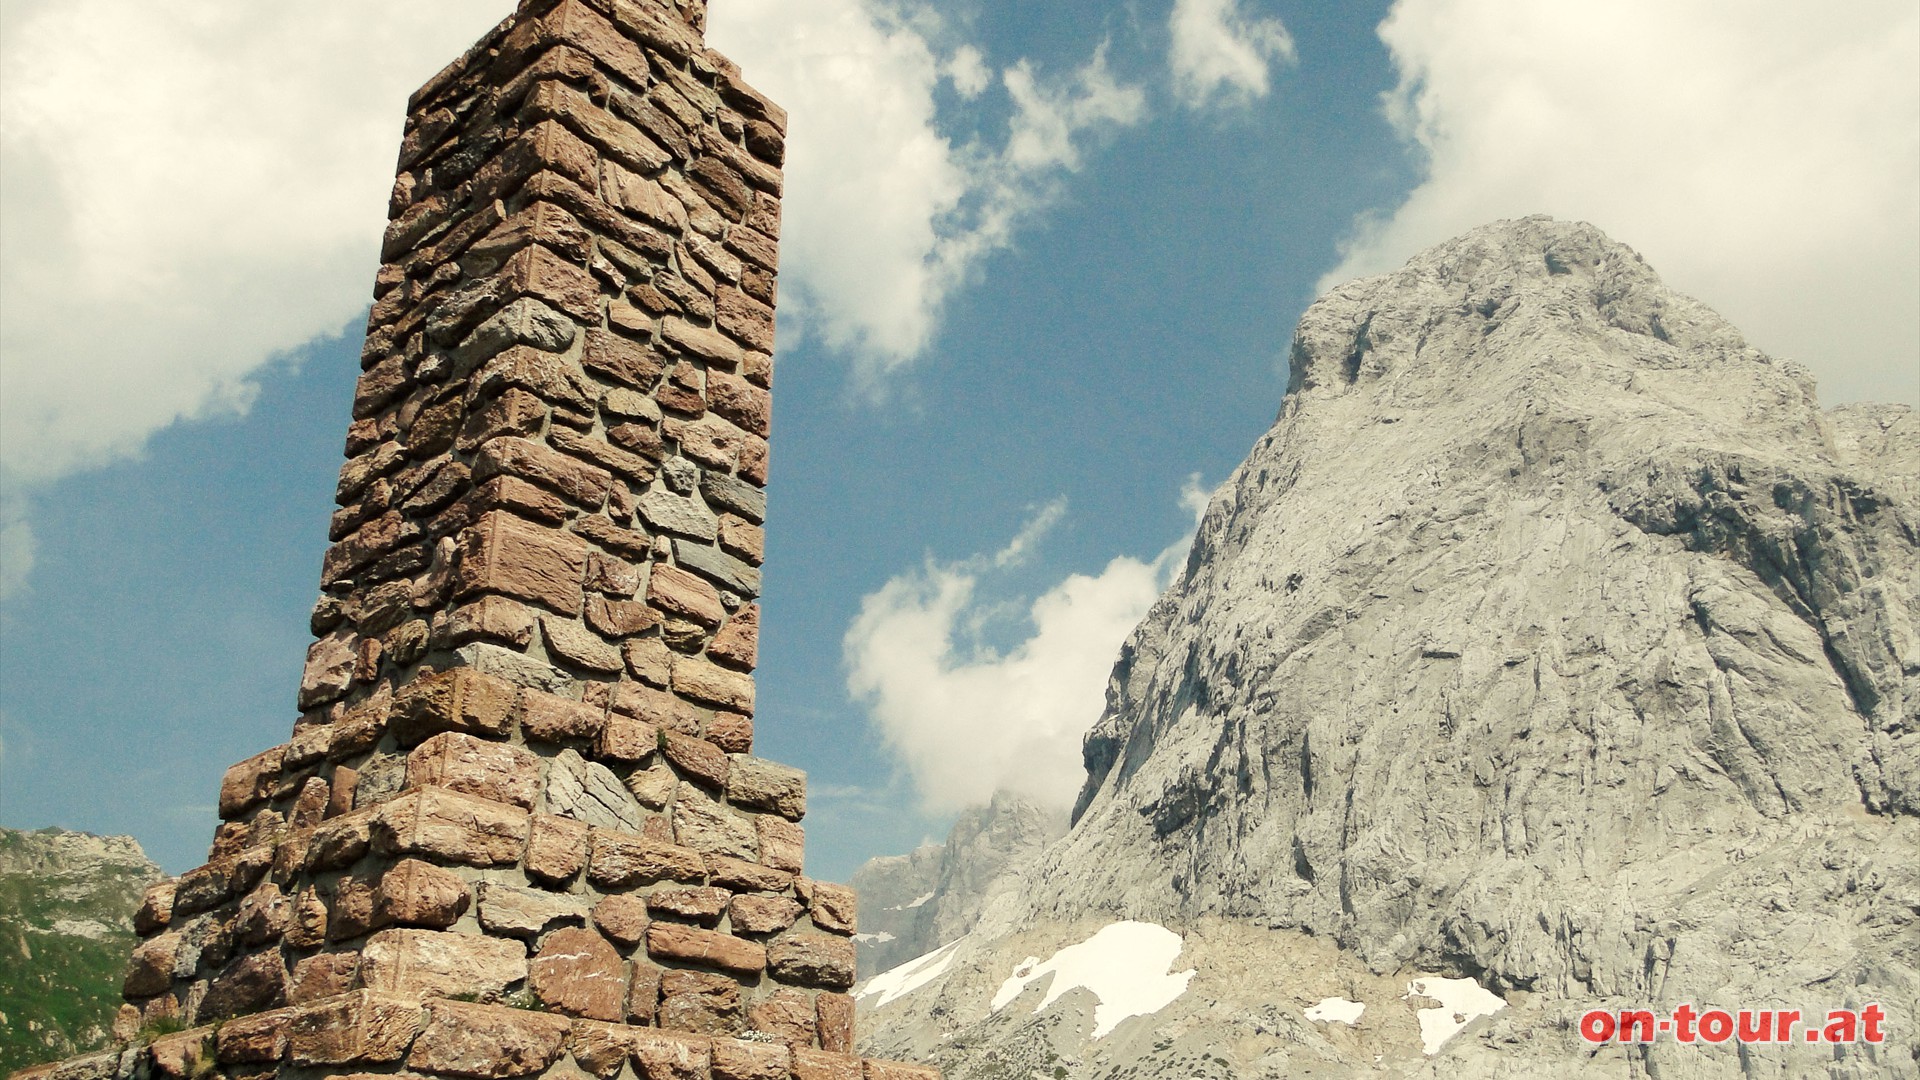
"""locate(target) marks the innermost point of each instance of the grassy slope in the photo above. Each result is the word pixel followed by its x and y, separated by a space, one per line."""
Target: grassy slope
pixel 59 990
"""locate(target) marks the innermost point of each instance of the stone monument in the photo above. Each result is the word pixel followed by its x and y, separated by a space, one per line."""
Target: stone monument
pixel 518 829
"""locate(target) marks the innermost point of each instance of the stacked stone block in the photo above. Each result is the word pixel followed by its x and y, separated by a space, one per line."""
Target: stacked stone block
pixel 519 827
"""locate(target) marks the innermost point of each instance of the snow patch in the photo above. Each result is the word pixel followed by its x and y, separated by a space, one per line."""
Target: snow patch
pixel 879 938
pixel 1336 1010
pixel 1125 965
pixel 900 981
pixel 923 898
pixel 1462 1001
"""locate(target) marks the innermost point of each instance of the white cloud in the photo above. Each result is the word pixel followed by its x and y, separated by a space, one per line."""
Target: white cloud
pixel 967 70
pixel 884 216
pixel 1765 159
pixel 1221 53
pixel 189 188
pixel 966 720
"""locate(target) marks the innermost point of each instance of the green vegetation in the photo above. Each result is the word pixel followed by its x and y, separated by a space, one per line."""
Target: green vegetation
pixel 66 907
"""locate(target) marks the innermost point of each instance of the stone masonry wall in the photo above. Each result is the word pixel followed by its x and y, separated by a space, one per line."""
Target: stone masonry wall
pixel 518 826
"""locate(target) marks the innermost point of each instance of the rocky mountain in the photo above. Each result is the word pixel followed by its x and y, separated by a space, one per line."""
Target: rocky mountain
pixel 1553 651
pixel 66 927
pixel 912 904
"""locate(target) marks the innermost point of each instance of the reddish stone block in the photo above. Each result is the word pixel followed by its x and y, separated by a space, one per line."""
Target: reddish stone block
pixel 737 1059
pixel 340 842
pixel 578 973
pixel 263 916
pixel 156 908
pixel 513 412
pixel 835 1012
pixel 259 1039
pixel 762 914
pixel 662 710
pixel 737 645
pixel 745 319
pixel 359 1028
pixel 711 684
pixel 620 618
pixel 204 887
pixel 670 1055
pixel 743 876
pixel 782 842
pixel 753 461
pixel 622 917
pixel 487 1042
pixel 414 893
pixel 599 1048
pixel 690 944
pixel 181 1055
pixel 507 555
pixel 740 401
pixel 460 700
pixel 698 759
pixel 831 907
pixel 824 1065
pixel 627 740
pixel 554 719
pixel 731 732
pixel 323 976
pixel 710 441
pixel 491 618
pixel 451 827
pixel 643 997
pixel 580 483
pixel 678 592
pixel 619 360
pixel 820 960
pixel 759 784
pixel 310 806
pixel 329 669
pixel 249 781
pixel 151 969
pixel 351 914
pixel 431 963
pixel 308 927
pixel 698 905
pixel 621 859
pixel 786 1015
pixel 699 1001
pixel 638 468
pixel 499 772
pixel 556 848
pixel 629 542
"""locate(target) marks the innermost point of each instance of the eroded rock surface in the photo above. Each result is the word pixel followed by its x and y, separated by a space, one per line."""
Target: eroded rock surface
pixel 1555 637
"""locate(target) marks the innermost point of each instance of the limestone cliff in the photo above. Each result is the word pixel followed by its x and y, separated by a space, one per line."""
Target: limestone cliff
pixel 1553 637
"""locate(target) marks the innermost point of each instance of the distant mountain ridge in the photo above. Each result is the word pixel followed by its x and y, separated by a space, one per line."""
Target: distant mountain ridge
pixel 912 904
pixel 1554 650
pixel 66 926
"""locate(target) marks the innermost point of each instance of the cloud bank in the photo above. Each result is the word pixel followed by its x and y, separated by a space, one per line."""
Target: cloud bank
pixel 1763 159
pixel 191 188
pixel 965 720
pixel 884 215
pixel 1222 55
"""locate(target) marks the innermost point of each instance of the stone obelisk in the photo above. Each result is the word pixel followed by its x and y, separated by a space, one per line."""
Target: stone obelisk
pixel 518 828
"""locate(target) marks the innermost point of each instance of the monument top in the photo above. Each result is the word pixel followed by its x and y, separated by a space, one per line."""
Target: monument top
pixel 518 827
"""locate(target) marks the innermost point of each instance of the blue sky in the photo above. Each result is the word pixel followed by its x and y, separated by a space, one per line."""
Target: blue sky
pixel 1040 268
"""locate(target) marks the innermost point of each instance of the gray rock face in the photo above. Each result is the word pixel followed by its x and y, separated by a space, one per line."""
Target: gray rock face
pixel 1553 636
pixel 912 904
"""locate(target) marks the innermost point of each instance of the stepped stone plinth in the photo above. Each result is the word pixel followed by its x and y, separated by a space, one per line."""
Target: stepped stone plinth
pixel 518 828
